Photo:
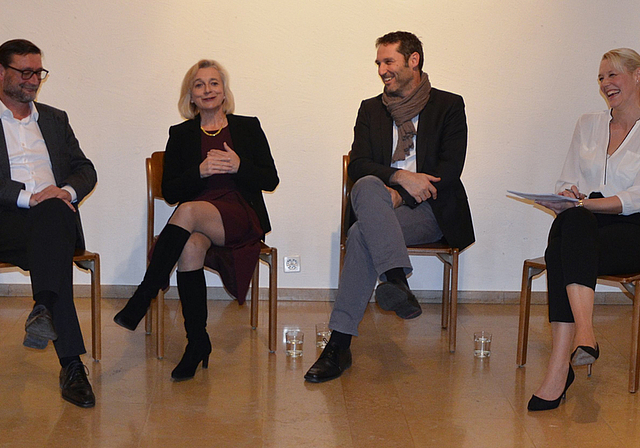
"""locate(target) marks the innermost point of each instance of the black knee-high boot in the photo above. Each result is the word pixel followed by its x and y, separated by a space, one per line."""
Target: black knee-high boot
pixel 165 255
pixel 192 289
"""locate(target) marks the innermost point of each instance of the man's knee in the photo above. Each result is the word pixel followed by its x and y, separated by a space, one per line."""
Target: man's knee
pixel 52 213
pixel 368 187
pixel 366 183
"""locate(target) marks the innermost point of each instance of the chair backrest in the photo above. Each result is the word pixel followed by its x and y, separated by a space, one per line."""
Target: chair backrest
pixel 347 184
pixel 154 191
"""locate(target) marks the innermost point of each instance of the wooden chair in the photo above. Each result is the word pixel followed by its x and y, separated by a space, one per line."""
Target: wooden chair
pixel 537 266
pixel 446 254
pixel 89 261
pixel 268 255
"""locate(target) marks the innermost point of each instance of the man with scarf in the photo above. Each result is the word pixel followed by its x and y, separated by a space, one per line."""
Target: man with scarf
pixel 406 160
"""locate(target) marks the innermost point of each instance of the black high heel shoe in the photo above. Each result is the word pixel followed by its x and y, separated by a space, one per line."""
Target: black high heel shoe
pixel 539 404
pixel 193 354
pixel 585 355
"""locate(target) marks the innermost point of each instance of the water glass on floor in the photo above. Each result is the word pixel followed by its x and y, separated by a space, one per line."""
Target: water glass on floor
pixel 482 344
pixel 322 334
pixel 294 342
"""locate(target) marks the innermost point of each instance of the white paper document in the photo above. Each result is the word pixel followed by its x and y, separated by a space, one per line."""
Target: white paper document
pixel 543 197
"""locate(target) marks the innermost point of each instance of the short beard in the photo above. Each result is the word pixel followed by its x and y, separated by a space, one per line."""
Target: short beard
pixel 18 94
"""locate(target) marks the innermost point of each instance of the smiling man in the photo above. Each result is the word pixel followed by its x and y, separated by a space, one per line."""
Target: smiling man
pixel 43 177
pixel 406 160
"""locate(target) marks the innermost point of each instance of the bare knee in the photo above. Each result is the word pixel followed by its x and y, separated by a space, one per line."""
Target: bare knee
pixel 194 252
pixel 185 215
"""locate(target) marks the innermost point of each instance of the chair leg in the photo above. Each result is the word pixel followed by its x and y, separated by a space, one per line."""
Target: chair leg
pixel 453 306
pixel 255 293
pixel 446 294
pixel 634 367
pixel 96 315
pixel 525 309
pixel 273 300
pixel 159 324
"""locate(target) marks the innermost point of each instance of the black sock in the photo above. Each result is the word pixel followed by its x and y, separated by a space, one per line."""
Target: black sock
pixel 342 340
pixel 64 362
pixel 45 298
pixel 396 275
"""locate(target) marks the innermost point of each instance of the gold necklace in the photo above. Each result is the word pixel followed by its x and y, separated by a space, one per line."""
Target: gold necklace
pixel 212 134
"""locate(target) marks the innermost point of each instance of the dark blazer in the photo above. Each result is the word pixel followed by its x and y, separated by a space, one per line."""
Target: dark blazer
pixel 68 162
pixel 441 146
pixel 181 178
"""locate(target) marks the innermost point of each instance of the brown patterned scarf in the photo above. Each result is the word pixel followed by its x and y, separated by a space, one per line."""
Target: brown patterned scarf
pixel 402 110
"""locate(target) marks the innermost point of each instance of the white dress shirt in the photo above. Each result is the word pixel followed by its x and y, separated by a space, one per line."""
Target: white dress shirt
pixel 409 163
pixel 28 156
pixel 590 169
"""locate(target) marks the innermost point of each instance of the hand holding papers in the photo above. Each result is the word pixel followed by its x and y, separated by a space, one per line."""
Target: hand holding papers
pixel 543 197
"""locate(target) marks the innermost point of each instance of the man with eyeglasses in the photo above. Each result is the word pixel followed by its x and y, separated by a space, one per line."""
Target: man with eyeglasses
pixel 43 177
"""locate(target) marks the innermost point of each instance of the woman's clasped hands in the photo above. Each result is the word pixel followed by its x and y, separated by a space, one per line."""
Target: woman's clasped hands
pixel 220 161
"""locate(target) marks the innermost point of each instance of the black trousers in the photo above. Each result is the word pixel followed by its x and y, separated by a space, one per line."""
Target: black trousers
pixel 42 240
pixel 583 245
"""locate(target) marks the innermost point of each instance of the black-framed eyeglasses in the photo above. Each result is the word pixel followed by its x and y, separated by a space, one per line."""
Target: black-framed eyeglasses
pixel 27 74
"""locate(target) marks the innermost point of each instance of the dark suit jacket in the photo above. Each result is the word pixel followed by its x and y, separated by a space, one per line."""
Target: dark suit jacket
pixel 441 146
pixel 181 178
pixel 68 162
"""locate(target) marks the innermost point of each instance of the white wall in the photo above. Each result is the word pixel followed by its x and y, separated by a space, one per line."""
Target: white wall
pixel 527 70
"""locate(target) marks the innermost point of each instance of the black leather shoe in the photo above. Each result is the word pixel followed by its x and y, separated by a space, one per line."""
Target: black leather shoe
pixel 40 323
pixel 396 296
pixel 333 361
pixel 75 385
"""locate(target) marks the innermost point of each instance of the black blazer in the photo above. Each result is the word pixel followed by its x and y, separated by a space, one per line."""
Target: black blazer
pixel 181 178
pixel 441 146
pixel 69 164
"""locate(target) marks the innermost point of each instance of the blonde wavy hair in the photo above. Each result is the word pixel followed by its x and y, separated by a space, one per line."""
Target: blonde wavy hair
pixel 623 59
pixel 188 109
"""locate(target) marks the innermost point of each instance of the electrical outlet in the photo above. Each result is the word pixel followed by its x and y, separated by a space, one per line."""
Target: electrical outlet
pixel 292 263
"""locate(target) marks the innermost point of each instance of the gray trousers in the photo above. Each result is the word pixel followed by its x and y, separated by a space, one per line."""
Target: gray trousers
pixel 376 243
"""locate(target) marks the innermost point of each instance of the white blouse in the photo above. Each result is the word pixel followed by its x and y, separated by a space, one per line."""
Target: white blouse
pixel 590 169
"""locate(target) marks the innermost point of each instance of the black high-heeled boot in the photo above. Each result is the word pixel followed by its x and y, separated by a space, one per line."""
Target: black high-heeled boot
pixel 540 404
pixel 192 289
pixel 166 252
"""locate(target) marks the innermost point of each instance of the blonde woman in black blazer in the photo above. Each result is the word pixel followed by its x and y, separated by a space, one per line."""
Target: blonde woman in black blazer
pixel 216 165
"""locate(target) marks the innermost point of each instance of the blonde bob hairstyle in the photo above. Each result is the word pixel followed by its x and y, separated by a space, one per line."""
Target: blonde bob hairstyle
pixel 188 109
pixel 623 59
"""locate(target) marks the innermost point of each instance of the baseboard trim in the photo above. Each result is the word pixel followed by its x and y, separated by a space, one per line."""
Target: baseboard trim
pixel 322 294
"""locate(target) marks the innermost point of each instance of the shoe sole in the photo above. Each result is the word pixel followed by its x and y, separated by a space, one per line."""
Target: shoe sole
pixel 390 298
pixel 32 341
pixel 582 358
pixel 41 328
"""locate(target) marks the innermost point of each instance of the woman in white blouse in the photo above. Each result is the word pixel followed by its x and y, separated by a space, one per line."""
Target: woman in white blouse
pixel 598 234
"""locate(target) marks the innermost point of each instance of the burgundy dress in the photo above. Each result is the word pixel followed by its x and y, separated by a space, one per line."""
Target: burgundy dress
pixel 236 260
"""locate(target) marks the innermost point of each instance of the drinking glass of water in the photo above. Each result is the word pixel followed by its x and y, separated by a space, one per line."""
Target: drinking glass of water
pixel 294 342
pixel 482 344
pixel 322 334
